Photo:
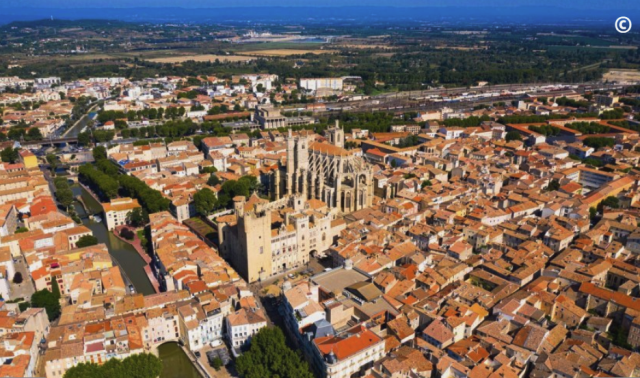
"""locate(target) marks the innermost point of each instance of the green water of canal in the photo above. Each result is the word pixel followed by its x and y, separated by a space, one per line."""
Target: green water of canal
pixel 175 362
pixel 126 256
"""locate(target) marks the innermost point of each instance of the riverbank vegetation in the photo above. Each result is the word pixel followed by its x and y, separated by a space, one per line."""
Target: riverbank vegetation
pixel 100 178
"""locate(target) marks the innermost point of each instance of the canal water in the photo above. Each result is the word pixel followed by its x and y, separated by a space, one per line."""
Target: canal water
pixel 175 362
pixel 128 258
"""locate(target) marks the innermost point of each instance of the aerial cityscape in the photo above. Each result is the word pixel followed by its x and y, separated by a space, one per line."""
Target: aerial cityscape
pixel 319 190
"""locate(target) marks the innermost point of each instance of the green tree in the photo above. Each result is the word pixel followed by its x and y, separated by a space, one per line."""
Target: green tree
pixel 84 370
pixel 127 234
pixel 47 300
pixel 137 217
pixel 113 368
pixel 250 182
pixel 553 185
pixel 597 142
pixel 269 356
pixel 142 365
pixel 103 135
pixel 151 200
pixel 55 289
pixel 426 183
pixel 86 241
pixel 53 162
pixel 513 135
pixel 611 201
pixel 213 180
pixel 108 167
pixel 64 196
pixel 99 153
pixel 9 155
pixel 210 169
pixel 84 138
pixel 34 134
pixel 20 230
pixel 230 189
pixel 593 212
pixel 216 363
pixel 101 183
pixel 593 161
pixel 204 201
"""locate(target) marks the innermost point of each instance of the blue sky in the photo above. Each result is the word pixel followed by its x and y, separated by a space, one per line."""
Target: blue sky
pixel 578 4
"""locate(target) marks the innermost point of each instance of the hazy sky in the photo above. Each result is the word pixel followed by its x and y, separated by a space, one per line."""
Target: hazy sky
pixel 592 4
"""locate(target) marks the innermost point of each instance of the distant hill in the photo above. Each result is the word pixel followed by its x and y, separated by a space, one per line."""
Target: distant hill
pixel 60 23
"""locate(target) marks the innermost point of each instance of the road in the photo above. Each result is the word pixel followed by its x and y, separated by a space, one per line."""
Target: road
pixel 271 304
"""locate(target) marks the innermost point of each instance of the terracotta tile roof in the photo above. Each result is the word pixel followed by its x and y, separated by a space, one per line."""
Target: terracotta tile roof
pixel 343 347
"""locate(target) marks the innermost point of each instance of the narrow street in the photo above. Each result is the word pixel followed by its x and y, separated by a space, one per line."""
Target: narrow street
pixel 271 303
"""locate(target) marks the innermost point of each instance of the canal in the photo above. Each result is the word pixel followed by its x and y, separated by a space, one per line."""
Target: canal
pixel 80 124
pixel 175 362
pixel 123 253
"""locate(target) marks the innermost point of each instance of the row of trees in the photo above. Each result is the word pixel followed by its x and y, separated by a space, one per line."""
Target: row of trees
pixel 466 122
pixel 564 101
pixel 546 130
pixel 102 184
pixel 630 101
pixel 86 138
pixel 143 365
pixel 612 114
pixel 598 142
pixel 106 180
pixel 150 199
pixel 540 118
pixel 21 132
pixel 625 124
pixel 589 127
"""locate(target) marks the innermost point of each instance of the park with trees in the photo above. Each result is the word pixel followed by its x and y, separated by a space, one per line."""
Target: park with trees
pixel 143 365
pixel 269 356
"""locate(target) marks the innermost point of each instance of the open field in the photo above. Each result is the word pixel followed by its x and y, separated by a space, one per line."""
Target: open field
pixel 246 47
pixel 286 52
pixel 89 57
pixel 201 58
pixel 364 47
pixel 622 75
